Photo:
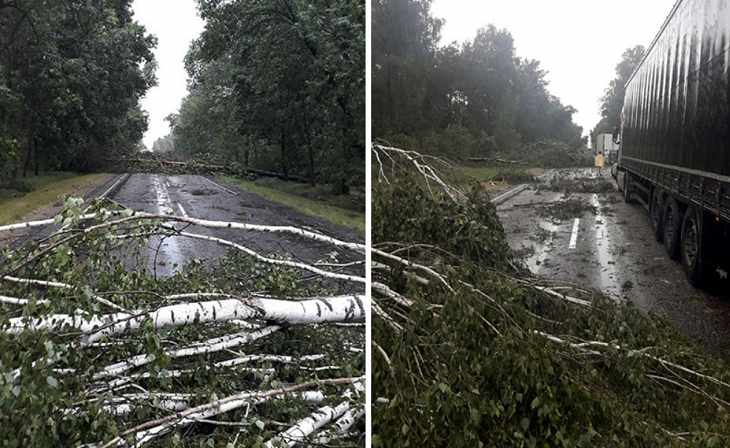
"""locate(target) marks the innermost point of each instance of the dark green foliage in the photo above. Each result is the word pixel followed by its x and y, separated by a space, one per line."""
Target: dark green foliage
pixel 470 370
pixel 279 86
pixel 460 100
pixel 71 76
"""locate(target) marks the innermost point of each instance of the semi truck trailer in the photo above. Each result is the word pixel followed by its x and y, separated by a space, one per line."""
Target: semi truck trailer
pixel 674 154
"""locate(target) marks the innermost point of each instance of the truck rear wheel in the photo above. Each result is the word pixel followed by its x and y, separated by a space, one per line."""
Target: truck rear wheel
pixel 655 213
pixel 671 227
pixel 692 250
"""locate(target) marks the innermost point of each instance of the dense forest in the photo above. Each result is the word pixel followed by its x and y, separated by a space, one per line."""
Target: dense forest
pixel 71 76
pixel 462 99
pixel 278 85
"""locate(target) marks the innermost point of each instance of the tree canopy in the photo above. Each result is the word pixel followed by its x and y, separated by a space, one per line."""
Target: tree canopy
pixel 278 85
pixel 464 98
pixel 71 77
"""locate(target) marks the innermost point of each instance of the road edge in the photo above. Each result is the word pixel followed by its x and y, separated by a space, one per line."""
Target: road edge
pixel 509 194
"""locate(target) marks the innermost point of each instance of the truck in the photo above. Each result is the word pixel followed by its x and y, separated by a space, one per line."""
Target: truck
pixel 605 144
pixel 674 155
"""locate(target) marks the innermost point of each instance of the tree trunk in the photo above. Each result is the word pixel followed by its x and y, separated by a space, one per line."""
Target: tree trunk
pixel 311 164
pixel 28 152
pixel 35 157
pixel 284 161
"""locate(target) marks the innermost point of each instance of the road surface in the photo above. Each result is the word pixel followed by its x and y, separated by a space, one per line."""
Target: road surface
pixel 200 197
pixel 612 250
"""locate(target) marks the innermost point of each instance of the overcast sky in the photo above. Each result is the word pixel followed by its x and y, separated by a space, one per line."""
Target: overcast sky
pixel 579 42
pixel 176 24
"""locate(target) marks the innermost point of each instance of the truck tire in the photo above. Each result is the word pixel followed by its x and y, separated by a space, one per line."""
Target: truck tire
pixel 656 207
pixel 671 227
pixel 692 247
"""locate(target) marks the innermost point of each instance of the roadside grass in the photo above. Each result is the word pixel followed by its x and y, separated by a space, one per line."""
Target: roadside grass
pixel 496 177
pixel 313 201
pixel 46 189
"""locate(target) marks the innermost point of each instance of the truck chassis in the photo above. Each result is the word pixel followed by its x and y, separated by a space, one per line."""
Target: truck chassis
pixel 689 213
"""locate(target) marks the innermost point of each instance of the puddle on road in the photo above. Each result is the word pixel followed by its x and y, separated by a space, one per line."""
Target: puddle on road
pixel 608 275
pixel 537 259
pixel 170 258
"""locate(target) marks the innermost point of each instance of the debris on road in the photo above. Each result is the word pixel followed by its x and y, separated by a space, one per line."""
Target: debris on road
pixel 565 209
pixel 461 334
pixel 85 339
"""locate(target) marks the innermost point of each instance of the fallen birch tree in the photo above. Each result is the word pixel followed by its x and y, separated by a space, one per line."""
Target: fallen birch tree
pixel 98 351
pixel 470 349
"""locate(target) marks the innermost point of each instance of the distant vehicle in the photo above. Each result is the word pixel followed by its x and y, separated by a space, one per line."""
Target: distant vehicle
pixel 675 136
pixel 605 143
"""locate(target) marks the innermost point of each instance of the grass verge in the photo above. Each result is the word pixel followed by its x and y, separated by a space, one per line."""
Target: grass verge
pixel 496 177
pixel 321 207
pixel 46 190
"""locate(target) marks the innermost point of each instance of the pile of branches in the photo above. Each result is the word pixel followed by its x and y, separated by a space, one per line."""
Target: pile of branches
pixel 544 154
pixel 256 350
pixel 168 163
pixel 469 349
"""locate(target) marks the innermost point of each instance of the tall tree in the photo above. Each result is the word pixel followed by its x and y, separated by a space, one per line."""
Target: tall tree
pixel 71 77
pixel 460 99
pixel 280 85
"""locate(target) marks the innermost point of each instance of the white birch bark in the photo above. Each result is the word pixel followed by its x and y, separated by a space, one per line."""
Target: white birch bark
pixel 209 346
pixel 220 407
pixel 305 427
pixel 318 310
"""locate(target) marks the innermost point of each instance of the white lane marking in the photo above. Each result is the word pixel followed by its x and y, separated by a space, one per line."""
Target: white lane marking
pixel 574 234
pixel 182 210
pixel 169 250
pixel 221 187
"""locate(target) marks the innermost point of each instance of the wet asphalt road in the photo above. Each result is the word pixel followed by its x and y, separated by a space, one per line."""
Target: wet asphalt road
pixel 199 197
pixel 614 251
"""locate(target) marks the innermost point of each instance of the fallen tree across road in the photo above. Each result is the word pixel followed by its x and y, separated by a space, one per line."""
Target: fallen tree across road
pixel 96 351
pixel 470 349
pixel 159 165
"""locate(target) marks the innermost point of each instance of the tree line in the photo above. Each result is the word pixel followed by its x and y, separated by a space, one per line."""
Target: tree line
pixel 278 85
pixel 72 73
pixel 461 99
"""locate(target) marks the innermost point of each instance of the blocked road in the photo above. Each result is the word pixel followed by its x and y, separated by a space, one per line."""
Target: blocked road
pixel 612 248
pixel 200 197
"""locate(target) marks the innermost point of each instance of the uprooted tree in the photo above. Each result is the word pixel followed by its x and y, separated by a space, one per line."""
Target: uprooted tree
pixel 253 350
pixel 469 349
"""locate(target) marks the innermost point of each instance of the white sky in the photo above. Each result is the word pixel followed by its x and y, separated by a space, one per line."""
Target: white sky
pixel 176 24
pixel 579 42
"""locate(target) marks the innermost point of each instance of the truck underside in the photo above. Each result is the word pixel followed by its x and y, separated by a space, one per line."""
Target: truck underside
pixel 689 214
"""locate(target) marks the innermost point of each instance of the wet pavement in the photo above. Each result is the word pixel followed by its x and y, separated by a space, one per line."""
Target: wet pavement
pixel 200 197
pixel 608 245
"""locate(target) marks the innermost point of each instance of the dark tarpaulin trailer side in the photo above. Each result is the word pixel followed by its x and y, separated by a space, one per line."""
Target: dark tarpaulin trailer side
pixel 676 116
